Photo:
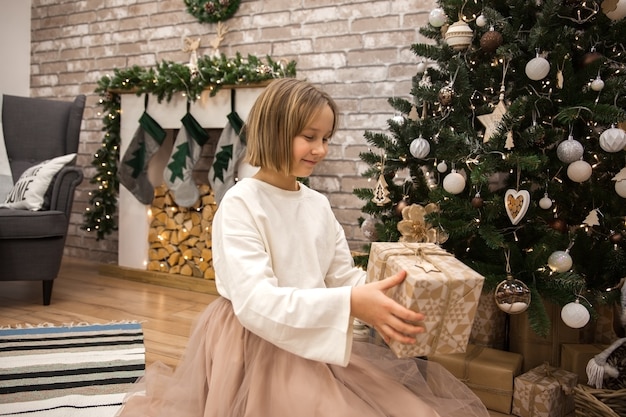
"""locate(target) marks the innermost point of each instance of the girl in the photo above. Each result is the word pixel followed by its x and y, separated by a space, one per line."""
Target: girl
pixel 279 340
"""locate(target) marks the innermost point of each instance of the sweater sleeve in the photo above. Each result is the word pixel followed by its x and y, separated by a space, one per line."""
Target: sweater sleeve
pixel 294 309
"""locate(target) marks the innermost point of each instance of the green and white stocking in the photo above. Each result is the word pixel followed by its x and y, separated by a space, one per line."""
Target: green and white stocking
pixel 185 154
pixel 231 148
pixel 133 167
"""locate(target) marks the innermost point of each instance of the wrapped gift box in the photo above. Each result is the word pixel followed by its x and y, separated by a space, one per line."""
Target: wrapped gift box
pixel 575 356
pixel 489 373
pixel 438 285
pixel 544 391
pixel 489 323
pixel 536 349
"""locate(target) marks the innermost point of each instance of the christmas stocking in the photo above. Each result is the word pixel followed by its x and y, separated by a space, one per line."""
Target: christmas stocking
pixel 132 171
pixel 231 147
pixel 187 149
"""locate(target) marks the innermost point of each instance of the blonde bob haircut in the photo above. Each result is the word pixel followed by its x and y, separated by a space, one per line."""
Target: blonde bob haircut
pixel 280 113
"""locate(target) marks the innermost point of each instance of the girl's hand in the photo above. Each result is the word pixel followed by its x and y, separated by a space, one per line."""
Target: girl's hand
pixel 393 321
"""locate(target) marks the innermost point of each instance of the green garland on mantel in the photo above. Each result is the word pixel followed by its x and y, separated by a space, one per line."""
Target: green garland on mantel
pixel 168 78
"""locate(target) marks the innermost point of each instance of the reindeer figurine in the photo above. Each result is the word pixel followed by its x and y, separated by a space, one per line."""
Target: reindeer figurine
pixel 192 45
pixel 222 30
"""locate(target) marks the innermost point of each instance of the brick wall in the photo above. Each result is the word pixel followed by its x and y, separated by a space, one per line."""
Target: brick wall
pixel 358 51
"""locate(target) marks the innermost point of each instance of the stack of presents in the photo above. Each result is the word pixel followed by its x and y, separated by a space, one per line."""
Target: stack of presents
pixel 465 332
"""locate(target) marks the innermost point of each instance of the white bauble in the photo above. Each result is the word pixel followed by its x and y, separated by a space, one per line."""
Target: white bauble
pixel 459 36
pixel 620 188
pixel 442 167
pixel 597 84
pixel 570 150
pixel 545 202
pixel 421 67
pixel 419 148
pixel 437 17
pixel 481 21
pixel 368 228
pixel 537 68
pixel 575 315
pixel 454 183
pixel 560 261
pixel 614 9
pixel 613 139
pixel 579 171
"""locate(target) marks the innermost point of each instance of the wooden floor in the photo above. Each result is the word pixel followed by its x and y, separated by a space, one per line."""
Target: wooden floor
pixel 82 294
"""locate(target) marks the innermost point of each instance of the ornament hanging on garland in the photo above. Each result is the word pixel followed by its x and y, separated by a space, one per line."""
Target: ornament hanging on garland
pixel 620 183
pixel 419 148
pixel 212 11
pixel 491 40
pixel 537 68
pixel 454 183
pixel 516 204
pixel 579 171
pixel 477 201
pixel 368 228
pixel 545 202
pixel 558 224
pixel 446 95
pixel 191 46
pixel 616 237
pixel 597 84
pixel 459 36
pixel 592 218
pixel 575 315
pixel 381 190
pixel 512 295
pixel 570 150
pixel 437 17
pixel 481 21
pixel 560 261
pixel 613 139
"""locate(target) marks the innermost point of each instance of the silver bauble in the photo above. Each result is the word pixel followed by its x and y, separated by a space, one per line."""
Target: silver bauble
pixel 569 150
pixel 620 188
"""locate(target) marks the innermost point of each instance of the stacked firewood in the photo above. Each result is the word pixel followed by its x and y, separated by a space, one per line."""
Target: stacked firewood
pixel 180 237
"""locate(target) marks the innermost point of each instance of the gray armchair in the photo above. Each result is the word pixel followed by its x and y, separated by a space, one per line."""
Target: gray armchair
pixel 32 242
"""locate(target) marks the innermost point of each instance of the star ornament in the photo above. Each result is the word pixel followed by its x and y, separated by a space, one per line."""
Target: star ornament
pixel 492 123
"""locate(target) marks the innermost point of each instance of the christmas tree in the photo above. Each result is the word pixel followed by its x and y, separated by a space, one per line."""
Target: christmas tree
pixel 509 151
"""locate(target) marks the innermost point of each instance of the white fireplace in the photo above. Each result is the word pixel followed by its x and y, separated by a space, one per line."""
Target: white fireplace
pixel 210 112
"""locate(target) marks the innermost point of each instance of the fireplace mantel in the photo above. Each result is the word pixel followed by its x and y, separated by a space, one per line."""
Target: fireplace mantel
pixel 210 112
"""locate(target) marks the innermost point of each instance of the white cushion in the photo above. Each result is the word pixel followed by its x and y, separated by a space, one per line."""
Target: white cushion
pixel 29 191
pixel 6 179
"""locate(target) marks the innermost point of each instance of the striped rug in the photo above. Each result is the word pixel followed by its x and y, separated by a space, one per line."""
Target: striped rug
pixel 77 371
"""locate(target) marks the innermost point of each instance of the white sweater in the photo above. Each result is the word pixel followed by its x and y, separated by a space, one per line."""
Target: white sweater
pixel 282 259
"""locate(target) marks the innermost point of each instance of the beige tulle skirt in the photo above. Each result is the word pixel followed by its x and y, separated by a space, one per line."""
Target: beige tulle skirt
pixel 227 371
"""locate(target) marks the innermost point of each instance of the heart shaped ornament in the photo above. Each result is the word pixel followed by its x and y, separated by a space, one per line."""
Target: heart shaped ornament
pixel 516 204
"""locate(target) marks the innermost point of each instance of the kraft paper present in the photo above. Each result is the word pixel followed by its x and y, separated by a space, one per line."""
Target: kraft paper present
pixel 575 356
pixel 489 373
pixel 538 350
pixel 438 285
pixel 544 391
pixel 489 327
